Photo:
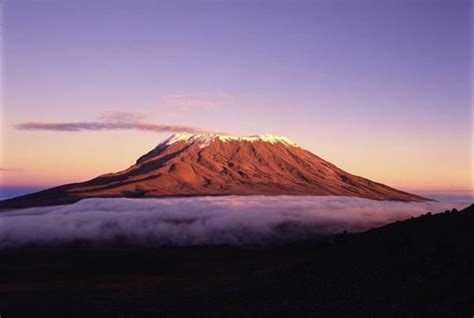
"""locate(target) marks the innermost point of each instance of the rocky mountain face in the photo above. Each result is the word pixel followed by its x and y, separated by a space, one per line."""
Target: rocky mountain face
pixel 209 164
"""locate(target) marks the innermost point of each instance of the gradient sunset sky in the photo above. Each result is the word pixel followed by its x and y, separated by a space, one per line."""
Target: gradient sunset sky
pixel 382 89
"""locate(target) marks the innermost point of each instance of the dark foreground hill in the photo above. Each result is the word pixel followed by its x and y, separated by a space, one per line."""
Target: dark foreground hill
pixel 209 164
pixel 422 267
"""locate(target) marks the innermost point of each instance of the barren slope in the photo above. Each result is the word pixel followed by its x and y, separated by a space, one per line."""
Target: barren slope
pixel 188 165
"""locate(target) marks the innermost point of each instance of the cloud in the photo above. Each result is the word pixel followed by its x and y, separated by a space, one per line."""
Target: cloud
pixel 81 126
pixel 191 102
pixel 236 220
pixel 14 170
pixel 111 121
pixel 120 120
pixel 121 117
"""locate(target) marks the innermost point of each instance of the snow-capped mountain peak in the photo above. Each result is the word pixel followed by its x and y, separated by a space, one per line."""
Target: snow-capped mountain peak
pixel 205 140
pixel 213 164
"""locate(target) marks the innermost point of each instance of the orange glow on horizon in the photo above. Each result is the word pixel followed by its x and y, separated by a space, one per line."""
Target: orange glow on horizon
pixel 58 159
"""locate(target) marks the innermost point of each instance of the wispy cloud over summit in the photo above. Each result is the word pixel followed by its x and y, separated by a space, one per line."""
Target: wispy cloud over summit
pixel 121 117
pixel 81 126
pixel 182 102
pixel 14 170
pixel 111 121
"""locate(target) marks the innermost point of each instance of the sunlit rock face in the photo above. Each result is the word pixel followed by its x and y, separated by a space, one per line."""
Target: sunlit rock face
pixel 210 164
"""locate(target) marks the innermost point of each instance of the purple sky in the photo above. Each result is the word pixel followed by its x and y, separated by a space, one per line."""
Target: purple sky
pixel 380 88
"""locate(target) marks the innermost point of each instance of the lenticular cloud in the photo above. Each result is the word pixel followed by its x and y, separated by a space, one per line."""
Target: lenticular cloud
pixel 235 220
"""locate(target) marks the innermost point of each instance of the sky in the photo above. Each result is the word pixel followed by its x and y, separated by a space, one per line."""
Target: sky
pixel 382 89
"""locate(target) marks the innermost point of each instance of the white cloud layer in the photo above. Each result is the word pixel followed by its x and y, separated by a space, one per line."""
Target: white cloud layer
pixel 236 220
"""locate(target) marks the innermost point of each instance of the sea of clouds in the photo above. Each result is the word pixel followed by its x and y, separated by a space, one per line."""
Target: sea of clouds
pixel 235 220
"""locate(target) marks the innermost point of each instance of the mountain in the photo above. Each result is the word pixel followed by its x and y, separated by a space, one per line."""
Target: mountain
pixel 211 164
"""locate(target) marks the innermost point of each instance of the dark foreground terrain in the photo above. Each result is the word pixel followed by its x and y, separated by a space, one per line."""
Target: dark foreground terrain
pixel 422 267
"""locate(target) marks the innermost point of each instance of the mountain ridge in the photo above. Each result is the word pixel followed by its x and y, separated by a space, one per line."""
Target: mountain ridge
pixel 212 164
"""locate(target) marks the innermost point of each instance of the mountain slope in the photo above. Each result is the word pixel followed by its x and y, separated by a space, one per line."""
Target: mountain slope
pixel 208 164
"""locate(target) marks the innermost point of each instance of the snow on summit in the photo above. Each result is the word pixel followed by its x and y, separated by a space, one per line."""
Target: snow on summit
pixel 205 139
